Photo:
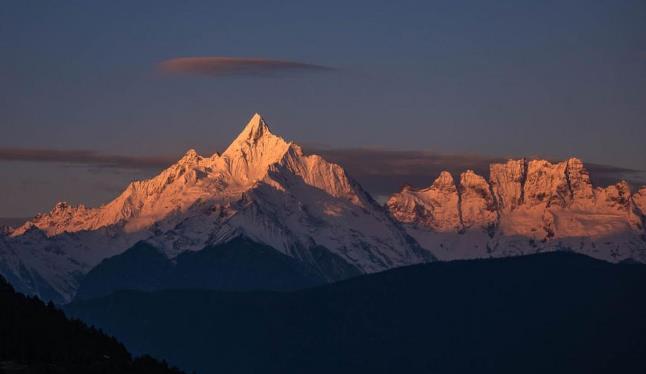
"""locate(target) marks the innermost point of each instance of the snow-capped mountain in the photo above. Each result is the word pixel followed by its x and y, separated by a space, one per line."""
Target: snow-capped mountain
pixel 261 187
pixel 266 190
pixel 526 207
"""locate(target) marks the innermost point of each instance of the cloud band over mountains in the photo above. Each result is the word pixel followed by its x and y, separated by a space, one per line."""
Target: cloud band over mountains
pixel 381 172
pixel 84 157
pixel 216 66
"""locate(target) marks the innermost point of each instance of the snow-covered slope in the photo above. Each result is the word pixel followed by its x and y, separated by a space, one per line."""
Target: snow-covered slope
pixel 527 207
pixel 261 187
pixel 267 190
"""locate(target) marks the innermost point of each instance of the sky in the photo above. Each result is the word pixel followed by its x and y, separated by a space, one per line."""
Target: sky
pixel 95 94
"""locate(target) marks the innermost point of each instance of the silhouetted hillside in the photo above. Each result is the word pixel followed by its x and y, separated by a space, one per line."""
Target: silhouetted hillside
pixel 239 264
pixel 555 312
pixel 38 338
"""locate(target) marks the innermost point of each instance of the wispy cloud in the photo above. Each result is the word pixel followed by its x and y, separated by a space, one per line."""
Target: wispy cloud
pixel 380 171
pixel 216 66
pixel 84 157
pixel 383 172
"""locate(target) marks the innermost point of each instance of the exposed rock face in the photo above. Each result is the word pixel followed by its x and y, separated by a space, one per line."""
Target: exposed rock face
pixel 529 207
pixel 477 204
pixel 616 196
pixel 639 200
pixel 579 180
pixel 435 207
pixel 546 184
pixel 507 182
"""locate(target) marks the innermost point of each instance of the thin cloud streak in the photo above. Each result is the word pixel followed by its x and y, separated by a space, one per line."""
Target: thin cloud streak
pixel 216 66
pixel 84 157
pixel 381 172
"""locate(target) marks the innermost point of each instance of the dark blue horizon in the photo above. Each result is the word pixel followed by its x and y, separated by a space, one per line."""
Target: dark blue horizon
pixel 512 78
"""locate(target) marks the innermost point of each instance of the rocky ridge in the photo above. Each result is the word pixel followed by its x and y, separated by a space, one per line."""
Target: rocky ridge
pixel 525 207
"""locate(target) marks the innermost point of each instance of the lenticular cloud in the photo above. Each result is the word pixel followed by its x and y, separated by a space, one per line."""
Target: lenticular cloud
pixel 231 66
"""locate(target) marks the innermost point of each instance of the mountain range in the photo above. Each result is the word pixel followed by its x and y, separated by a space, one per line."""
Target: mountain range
pixel 263 197
pixel 525 207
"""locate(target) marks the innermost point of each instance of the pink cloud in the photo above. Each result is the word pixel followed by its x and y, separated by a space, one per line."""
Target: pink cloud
pixel 228 66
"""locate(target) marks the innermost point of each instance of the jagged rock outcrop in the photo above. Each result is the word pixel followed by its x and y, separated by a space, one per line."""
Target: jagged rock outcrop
pixel 639 200
pixel 435 207
pixel 477 203
pixel 579 181
pixel 445 208
pixel 545 184
pixel 507 182
pixel 528 207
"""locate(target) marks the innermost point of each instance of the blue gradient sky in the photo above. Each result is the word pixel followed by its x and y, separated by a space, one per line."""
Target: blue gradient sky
pixel 504 78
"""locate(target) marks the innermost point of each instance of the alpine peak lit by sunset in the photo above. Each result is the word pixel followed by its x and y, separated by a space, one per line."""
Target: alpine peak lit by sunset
pixel 117 90
pixel 322 187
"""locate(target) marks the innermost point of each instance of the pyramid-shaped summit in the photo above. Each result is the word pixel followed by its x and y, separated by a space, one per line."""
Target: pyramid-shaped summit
pixel 254 150
pixel 255 129
pixel 262 188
